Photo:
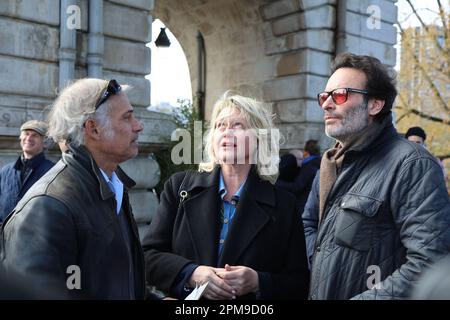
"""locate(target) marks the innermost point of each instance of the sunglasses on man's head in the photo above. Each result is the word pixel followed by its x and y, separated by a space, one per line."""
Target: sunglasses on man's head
pixel 339 95
pixel 112 88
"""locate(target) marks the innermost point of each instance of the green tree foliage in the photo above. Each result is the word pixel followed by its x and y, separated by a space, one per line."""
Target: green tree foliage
pixel 184 117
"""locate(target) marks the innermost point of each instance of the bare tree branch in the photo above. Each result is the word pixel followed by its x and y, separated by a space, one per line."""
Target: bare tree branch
pixel 407 112
pixel 417 15
pixel 402 116
pixel 442 15
pixel 442 157
pixel 425 116
pixel 427 29
pixel 445 26
pixel 427 77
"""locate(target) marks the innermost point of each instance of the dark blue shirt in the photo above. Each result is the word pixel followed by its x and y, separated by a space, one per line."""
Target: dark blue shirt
pixel 229 209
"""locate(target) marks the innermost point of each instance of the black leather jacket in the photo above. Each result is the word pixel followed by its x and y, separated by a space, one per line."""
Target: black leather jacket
pixel 68 218
pixel 386 218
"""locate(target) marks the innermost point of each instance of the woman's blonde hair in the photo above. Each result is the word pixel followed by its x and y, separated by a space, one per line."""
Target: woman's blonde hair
pixel 259 118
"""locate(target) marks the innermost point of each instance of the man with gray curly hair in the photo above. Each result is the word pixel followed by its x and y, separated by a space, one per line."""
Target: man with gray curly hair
pixel 74 230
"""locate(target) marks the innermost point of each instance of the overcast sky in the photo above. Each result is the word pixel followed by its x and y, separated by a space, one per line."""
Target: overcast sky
pixel 169 76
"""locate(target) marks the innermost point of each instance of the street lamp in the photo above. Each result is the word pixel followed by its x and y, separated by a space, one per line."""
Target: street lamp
pixel 163 39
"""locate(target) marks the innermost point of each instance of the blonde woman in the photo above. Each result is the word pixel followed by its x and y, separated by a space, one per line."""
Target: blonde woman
pixel 227 225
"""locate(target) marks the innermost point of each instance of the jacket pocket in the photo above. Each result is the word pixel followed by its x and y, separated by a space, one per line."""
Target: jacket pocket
pixel 355 223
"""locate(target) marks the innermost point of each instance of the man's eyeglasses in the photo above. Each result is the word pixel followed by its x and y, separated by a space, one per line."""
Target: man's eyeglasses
pixel 112 89
pixel 339 95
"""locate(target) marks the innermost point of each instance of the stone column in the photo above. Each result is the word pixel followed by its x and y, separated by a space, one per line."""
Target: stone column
pixel 67 44
pixel 301 42
pixel 95 42
pixel 366 27
pixel 126 58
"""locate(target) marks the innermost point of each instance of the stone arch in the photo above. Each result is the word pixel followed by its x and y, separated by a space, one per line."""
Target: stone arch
pixel 259 48
pixel 278 50
pixel 234 41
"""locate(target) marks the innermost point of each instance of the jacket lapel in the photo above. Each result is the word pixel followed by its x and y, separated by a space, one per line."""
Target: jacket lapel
pixel 33 164
pixel 201 208
pixel 250 217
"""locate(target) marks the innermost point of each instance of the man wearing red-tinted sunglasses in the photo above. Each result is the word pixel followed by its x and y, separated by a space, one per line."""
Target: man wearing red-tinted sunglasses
pixel 378 213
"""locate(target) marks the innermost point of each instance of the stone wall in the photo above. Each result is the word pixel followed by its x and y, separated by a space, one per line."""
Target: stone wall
pixel 300 42
pixel 280 50
pixel 364 35
pixel 234 39
pixel 29 68
pixel 277 50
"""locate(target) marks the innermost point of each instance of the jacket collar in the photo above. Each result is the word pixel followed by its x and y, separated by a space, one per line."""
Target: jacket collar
pixel 32 163
pixel 253 186
pixel 205 179
pixel 363 155
pixel 83 157
pixel 386 133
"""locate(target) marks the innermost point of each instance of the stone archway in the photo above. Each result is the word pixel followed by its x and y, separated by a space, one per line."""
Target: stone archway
pixel 278 50
pixel 259 48
pixel 234 40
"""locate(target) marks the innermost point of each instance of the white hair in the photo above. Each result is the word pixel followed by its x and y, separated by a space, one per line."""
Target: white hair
pixel 74 106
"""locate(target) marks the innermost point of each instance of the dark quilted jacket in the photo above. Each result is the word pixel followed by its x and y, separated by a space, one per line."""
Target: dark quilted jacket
pixel 387 218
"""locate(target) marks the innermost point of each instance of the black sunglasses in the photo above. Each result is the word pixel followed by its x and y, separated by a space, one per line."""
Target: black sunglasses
pixel 112 89
pixel 339 95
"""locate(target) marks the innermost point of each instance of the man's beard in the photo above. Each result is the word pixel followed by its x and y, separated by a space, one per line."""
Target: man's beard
pixel 353 121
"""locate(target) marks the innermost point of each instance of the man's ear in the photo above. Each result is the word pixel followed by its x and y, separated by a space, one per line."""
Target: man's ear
pixel 91 129
pixel 376 106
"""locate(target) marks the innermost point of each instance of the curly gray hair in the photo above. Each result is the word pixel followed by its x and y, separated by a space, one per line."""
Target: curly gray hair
pixel 74 106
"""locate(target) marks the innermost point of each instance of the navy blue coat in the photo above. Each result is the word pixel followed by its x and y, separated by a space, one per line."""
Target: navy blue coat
pixel 11 188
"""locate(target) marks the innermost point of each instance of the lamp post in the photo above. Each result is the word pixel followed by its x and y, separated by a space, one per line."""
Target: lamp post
pixel 163 39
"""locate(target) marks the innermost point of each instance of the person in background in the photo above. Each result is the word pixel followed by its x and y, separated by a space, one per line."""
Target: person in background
pixel 228 225
pixel 288 168
pixel 418 135
pixel 300 185
pixel 299 156
pixel 17 177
